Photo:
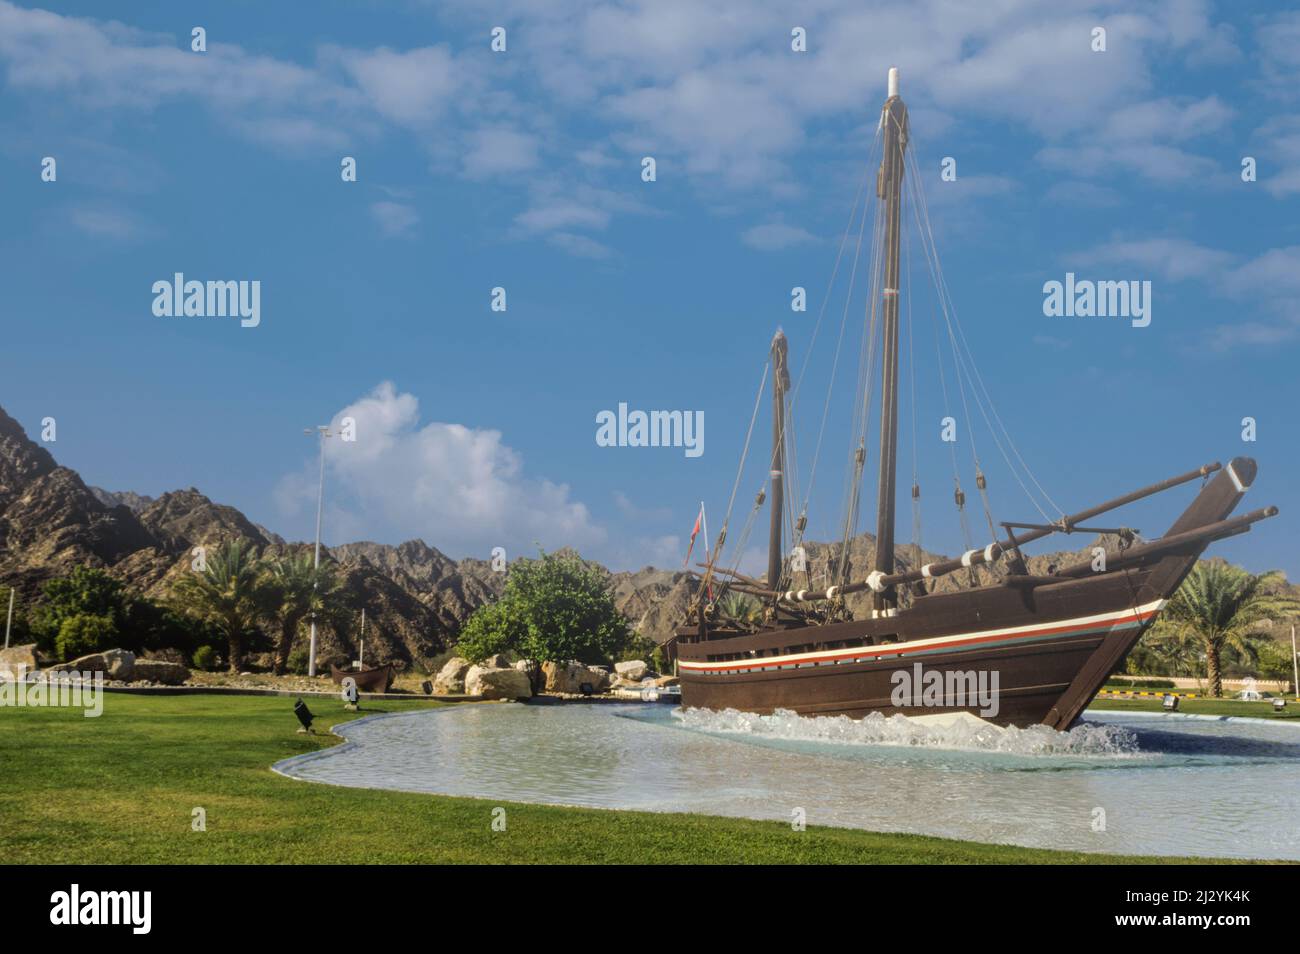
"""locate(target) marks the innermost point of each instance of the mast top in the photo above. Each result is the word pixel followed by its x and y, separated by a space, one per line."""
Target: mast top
pixel 893 81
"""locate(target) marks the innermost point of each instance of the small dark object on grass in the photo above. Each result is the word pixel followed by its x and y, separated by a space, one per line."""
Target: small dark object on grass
pixel 586 689
pixel 304 715
pixel 427 686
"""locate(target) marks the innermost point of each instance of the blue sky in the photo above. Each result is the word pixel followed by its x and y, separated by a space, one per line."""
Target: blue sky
pixel 522 170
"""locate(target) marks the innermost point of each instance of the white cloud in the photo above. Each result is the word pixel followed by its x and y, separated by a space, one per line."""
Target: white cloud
pixel 460 488
pixel 580 246
pixel 100 220
pixel 411 88
pixel 395 220
pixel 774 236
pixel 1175 259
pixel 499 150
pixel 1270 282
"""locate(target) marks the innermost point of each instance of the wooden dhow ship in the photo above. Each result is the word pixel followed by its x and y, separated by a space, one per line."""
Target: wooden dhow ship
pixel 1051 637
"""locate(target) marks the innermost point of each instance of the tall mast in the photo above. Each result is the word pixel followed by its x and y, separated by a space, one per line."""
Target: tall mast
pixel 889 187
pixel 780 383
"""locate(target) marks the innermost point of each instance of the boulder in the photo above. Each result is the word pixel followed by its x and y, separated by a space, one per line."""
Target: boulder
pixel 633 670
pixel 665 681
pixel 450 680
pixel 116 664
pixel 521 665
pixel 569 677
pixel 498 661
pixel 19 657
pixel 159 670
pixel 497 683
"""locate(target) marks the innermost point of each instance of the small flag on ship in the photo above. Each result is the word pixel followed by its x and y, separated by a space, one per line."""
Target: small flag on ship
pixel 699 520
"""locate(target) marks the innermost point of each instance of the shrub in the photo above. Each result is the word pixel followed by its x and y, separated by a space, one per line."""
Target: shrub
pixel 205 658
pixel 297 663
pixel 84 633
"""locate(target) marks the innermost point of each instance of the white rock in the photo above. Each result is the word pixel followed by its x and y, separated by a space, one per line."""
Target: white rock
pixel 569 677
pixel 450 680
pixel 633 669
pixel 497 683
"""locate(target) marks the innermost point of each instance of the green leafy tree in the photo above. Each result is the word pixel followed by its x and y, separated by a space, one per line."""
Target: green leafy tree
pixel 554 609
pixel 293 588
pixel 1218 606
pixel 83 634
pixel 224 594
pixel 86 591
pixel 1275 661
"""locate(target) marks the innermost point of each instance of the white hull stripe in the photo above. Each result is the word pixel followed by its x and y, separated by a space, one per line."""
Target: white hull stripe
pixel 1122 619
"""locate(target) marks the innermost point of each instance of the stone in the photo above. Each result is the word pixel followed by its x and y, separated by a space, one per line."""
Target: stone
pixel 634 669
pixel 498 661
pixel 450 680
pixel 116 664
pixel 665 681
pixel 521 665
pixel 19 657
pixel 497 683
pixel 159 670
pixel 569 677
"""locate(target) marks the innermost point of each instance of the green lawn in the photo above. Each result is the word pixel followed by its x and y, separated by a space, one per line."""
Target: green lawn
pixel 121 788
pixel 1225 707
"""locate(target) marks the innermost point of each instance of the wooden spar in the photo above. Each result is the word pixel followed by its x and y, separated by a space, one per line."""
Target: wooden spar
pixel 1213 531
pixel 994 550
pixel 780 382
pixel 1070 522
pixel 732 573
pixel 889 187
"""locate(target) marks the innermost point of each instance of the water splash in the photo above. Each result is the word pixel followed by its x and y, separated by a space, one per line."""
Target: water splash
pixel 877 729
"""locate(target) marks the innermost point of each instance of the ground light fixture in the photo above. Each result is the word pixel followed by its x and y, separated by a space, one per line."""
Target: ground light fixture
pixel 1169 702
pixel 304 715
pixel 1279 704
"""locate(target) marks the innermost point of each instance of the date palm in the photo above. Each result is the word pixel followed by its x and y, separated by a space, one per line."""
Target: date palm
pixel 224 593
pixel 293 588
pixel 1220 606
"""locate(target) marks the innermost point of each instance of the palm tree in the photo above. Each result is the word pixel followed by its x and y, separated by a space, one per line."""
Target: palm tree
pixel 741 608
pixel 293 589
pixel 1218 606
pixel 224 594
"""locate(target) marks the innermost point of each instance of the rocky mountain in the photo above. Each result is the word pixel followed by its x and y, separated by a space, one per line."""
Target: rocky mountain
pixel 126 498
pixel 416 598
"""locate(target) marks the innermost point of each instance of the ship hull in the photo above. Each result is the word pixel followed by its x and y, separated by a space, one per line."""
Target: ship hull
pixel 1011 676
pixel 1048 645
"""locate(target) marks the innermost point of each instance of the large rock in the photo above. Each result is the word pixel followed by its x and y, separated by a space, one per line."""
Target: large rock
pixel 569 677
pixel 159 670
pixel 497 683
pixel 450 680
pixel 17 658
pixel 632 670
pixel 113 663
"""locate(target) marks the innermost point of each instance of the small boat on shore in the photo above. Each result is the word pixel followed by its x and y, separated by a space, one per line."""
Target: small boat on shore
pixel 368 680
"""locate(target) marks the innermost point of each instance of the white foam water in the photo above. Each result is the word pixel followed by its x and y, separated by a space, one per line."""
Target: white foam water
pixel 1086 739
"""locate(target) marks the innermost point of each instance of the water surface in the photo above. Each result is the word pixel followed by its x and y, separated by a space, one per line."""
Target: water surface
pixel 1117 783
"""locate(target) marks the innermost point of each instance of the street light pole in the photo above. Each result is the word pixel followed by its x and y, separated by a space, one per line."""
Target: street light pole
pixel 323 431
pixel 1295 667
pixel 8 624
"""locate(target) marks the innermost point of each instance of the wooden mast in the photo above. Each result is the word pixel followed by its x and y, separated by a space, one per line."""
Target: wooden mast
pixel 780 382
pixel 889 187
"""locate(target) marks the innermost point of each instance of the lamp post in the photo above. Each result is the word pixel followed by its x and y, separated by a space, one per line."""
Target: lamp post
pixel 8 624
pixel 322 431
pixel 1295 667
